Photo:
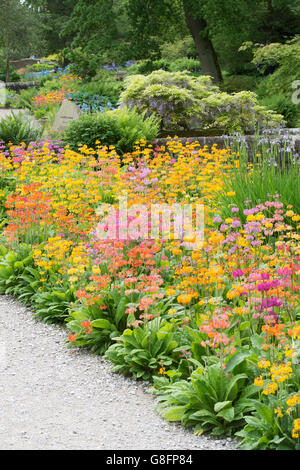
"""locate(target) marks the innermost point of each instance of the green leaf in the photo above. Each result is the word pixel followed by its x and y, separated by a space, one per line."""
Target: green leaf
pixel 227 414
pixel 237 359
pixel 265 412
pixel 201 414
pixel 233 388
pixel 3 250
pixel 79 315
pixel 198 431
pixel 127 332
pixel 120 310
pixel 175 414
pixel 102 323
pixel 221 405
pixel 257 341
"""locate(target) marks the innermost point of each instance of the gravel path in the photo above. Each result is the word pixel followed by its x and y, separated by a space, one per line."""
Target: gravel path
pixel 52 397
pixel 4 112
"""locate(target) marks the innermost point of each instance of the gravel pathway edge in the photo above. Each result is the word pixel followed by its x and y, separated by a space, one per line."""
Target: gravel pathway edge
pixel 53 397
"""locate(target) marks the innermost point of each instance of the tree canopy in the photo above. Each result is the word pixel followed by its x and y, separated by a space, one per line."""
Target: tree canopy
pixel 20 31
pixel 119 30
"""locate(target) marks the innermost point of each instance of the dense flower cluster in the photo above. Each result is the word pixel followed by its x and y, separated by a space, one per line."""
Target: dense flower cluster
pixel 49 98
pixel 236 296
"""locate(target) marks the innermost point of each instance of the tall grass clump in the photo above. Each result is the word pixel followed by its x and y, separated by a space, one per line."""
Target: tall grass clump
pixel 269 166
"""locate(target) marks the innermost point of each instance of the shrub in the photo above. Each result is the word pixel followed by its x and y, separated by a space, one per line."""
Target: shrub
pixel 13 75
pixel 83 64
pixel 134 126
pixel 90 103
pixel 238 112
pixel 146 67
pixel 211 401
pixel 104 85
pixel 281 64
pixel 235 83
pixel 121 128
pixel 51 85
pixel 41 67
pixel 283 105
pixel 143 351
pixel 18 128
pixel 180 100
pixel 11 99
pixel 90 128
pixel 183 64
pixel 182 48
pixel 25 99
pixel 267 58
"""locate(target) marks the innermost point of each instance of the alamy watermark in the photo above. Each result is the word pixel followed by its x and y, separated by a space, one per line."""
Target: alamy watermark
pixel 160 222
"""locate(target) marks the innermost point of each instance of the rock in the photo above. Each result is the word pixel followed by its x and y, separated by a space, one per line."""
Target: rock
pixel 68 112
pixel 20 85
pixel 18 64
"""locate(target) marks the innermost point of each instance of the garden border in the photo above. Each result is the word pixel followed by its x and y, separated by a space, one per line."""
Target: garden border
pixel 220 141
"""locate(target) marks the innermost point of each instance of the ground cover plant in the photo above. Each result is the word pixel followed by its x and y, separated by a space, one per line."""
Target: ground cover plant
pixel 217 328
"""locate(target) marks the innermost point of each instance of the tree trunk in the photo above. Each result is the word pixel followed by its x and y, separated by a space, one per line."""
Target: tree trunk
pixel 7 74
pixel 269 22
pixel 205 49
pixel 270 6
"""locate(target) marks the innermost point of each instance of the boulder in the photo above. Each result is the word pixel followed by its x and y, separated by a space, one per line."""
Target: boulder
pixel 67 113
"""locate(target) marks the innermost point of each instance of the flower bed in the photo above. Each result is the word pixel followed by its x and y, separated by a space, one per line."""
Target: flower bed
pixel 215 328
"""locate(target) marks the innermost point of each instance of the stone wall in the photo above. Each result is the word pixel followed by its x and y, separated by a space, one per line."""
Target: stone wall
pixel 220 141
pixel 19 85
pixel 20 64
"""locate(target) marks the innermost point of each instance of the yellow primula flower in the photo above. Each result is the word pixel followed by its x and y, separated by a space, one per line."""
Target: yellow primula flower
pixel 258 381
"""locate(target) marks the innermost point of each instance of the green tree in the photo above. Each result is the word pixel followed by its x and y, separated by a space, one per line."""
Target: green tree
pixel 110 29
pixel 234 22
pixel 93 26
pixel 218 28
pixel 19 31
pixel 100 27
pixel 54 14
pixel 151 19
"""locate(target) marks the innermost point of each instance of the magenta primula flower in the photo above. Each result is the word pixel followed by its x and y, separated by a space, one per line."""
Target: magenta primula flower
pixel 263 286
pixel 264 276
pixel 237 273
